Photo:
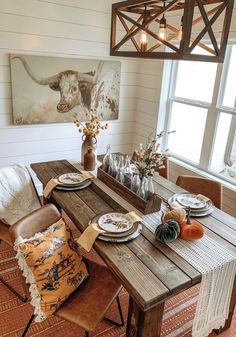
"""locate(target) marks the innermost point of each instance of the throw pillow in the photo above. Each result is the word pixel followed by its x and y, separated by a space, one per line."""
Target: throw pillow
pixel 52 266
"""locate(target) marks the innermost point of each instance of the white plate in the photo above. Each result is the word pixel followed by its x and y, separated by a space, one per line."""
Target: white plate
pixel 138 230
pixel 196 213
pixel 115 223
pixel 122 234
pixel 191 200
pixel 71 178
pixel 75 188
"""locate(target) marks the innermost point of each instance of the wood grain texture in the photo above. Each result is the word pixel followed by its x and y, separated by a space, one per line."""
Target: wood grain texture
pixel 144 324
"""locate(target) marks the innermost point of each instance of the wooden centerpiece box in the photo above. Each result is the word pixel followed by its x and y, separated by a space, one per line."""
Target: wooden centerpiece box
pixel 146 207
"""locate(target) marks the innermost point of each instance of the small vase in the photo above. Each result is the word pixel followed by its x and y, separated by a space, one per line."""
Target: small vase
pixel 89 142
pixel 135 183
pixel 142 191
pixel 106 163
pixel 89 160
pixel 150 187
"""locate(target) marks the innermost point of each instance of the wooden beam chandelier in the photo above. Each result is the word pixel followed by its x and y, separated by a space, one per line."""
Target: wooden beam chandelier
pixel 171 29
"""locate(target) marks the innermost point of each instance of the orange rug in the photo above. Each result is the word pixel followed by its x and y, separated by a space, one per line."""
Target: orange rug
pixel 14 315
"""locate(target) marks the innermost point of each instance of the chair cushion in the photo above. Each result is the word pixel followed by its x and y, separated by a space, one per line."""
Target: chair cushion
pixel 88 305
pixel 52 265
pixel 17 194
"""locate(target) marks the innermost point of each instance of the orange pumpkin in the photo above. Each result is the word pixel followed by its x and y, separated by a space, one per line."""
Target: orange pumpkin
pixel 191 229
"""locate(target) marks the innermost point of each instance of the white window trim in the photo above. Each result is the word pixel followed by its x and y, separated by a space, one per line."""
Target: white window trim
pixel 213 112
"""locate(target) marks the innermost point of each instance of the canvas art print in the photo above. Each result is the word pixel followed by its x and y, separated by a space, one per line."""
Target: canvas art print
pixel 55 90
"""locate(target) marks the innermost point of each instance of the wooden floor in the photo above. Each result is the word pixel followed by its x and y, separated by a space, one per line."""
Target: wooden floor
pixel 178 316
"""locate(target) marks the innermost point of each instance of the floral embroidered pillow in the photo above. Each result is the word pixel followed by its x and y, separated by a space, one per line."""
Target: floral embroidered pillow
pixel 52 266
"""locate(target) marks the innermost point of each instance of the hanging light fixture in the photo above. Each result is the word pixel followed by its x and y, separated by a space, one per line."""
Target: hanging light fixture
pixel 139 18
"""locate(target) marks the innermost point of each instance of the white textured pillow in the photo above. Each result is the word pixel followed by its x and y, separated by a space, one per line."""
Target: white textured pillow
pixel 17 194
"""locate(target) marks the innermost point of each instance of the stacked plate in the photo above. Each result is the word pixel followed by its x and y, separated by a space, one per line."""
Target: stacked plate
pixel 199 205
pixel 118 227
pixel 72 182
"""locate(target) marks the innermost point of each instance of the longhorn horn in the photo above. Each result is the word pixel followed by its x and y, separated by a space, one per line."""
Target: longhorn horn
pixel 91 77
pixel 40 80
pixel 99 70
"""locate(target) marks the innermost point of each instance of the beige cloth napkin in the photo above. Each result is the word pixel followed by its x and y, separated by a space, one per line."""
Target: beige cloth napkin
pixel 55 182
pixel 87 239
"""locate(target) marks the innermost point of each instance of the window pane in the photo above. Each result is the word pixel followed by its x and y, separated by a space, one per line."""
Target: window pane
pixel 224 157
pixel 189 123
pixel 195 80
pixel 230 88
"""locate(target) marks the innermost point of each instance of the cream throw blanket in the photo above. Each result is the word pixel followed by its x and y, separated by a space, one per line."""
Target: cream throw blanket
pixel 17 194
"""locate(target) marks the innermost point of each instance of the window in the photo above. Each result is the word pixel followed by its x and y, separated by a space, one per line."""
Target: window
pixel 200 104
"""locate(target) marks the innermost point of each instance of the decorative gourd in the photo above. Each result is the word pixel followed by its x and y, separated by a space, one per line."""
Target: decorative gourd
pixel 191 229
pixel 167 231
pixel 178 214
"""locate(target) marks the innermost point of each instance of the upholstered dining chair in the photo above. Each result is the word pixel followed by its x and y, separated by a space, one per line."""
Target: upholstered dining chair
pixel 210 188
pixel 18 197
pixel 87 305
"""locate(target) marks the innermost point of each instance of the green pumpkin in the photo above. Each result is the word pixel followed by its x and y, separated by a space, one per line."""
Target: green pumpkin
pixel 167 231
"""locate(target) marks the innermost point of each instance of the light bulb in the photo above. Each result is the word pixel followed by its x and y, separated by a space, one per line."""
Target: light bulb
pixel 144 41
pixel 162 29
pixel 162 33
pixel 144 38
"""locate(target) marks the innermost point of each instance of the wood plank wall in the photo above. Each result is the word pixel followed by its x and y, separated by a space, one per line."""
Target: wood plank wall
pixel 64 28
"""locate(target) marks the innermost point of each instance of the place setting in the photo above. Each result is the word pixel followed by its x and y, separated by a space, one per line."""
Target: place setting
pixel 111 227
pixel 199 204
pixel 71 181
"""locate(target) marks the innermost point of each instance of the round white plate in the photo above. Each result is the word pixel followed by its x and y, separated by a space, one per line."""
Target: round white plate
pixel 71 178
pixel 129 237
pixel 87 183
pixel 191 200
pixel 196 213
pixel 122 234
pixel 115 223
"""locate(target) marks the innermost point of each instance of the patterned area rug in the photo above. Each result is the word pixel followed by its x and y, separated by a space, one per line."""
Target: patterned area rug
pixel 14 315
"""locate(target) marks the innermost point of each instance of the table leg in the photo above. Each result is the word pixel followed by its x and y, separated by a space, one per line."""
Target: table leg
pixel 144 324
pixel 231 311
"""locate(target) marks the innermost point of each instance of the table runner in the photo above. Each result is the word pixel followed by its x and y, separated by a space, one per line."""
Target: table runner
pixel 216 264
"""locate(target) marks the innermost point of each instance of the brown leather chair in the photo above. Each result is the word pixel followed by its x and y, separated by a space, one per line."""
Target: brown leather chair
pixel 87 305
pixel 5 236
pixel 210 188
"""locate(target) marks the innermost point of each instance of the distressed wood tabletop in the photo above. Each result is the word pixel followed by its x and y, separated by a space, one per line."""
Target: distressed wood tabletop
pixel 149 270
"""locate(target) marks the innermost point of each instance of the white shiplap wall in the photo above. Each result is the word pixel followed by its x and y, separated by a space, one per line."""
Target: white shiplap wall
pixel 64 28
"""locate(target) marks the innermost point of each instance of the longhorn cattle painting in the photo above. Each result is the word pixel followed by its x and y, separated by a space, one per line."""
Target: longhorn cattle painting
pixel 55 90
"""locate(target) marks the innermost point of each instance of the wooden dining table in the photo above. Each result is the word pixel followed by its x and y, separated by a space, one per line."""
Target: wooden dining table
pixel 149 270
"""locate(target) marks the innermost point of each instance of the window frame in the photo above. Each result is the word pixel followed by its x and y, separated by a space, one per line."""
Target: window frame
pixel 214 108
